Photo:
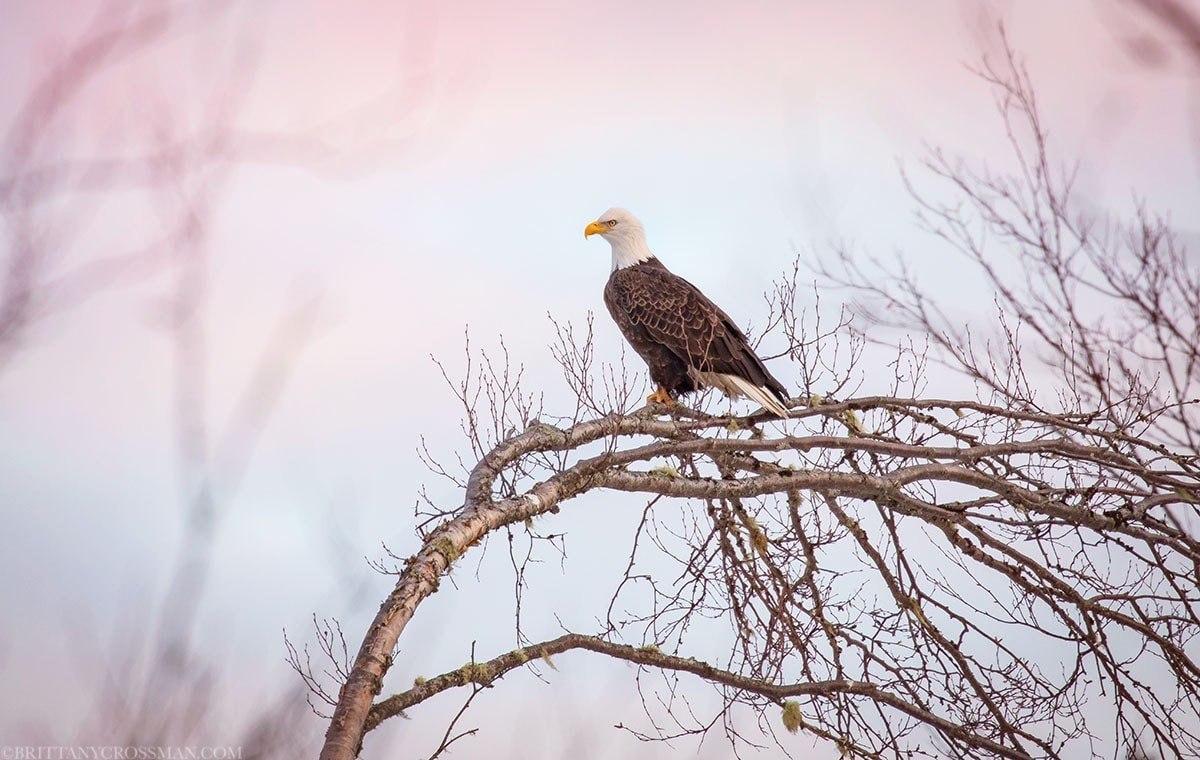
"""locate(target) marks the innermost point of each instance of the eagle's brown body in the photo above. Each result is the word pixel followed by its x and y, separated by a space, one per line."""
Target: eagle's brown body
pixel 686 340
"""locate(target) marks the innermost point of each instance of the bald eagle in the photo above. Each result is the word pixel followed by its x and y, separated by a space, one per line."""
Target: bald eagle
pixel 686 340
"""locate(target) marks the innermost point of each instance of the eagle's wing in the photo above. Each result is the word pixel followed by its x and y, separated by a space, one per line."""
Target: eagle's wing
pixel 676 314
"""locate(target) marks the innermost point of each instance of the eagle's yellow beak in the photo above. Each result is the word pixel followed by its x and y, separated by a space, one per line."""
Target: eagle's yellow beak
pixel 595 228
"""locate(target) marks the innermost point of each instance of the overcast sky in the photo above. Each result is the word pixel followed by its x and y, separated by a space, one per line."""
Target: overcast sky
pixel 470 144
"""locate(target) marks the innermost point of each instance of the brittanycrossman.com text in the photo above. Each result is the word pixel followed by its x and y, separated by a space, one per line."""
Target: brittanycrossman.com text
pixel 116 752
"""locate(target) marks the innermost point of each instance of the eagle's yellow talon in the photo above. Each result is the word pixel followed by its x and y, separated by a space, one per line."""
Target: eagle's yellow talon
pixel 660 396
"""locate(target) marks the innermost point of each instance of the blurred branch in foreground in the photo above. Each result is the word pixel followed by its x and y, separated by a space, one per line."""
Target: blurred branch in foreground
pixel 96 195
pixel 61 174
pixel 1175 19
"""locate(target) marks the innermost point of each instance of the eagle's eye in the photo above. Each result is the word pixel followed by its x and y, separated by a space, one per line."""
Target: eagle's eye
pixel 612 222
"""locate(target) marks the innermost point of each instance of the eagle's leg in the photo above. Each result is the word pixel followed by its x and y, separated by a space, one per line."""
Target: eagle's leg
pixel 660 396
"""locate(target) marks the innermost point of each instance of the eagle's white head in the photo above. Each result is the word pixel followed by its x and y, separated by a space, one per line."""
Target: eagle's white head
pixel 625 234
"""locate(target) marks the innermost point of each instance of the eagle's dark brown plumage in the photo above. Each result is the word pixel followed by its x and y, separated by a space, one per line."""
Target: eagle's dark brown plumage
pixel 686 340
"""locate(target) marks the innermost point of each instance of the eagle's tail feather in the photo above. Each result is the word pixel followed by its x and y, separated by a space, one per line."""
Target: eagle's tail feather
pixel 763 395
